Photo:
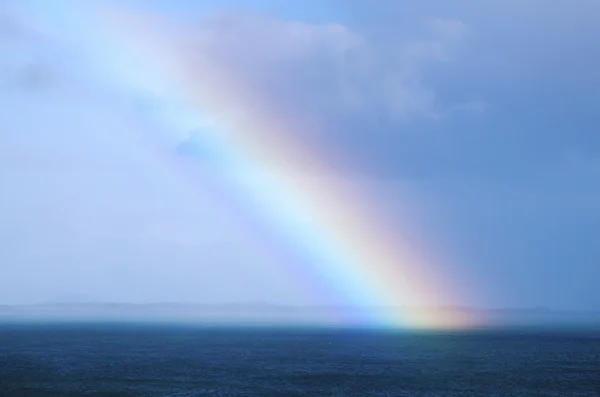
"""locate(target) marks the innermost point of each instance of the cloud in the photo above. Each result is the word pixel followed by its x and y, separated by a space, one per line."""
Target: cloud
pixel 418 97
pixel 350 84
pixel 325 69
pixel 29 61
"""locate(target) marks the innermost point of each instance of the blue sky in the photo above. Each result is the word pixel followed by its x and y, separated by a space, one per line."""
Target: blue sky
pixel 481 115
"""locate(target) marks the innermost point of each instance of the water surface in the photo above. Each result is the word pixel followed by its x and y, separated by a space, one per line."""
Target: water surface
pixel 151 360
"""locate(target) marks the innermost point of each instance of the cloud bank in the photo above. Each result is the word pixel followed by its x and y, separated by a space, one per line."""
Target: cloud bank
pixel 491 130
pixel 328 70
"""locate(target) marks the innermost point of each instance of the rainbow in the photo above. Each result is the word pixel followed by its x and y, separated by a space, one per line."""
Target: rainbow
pixel 266 163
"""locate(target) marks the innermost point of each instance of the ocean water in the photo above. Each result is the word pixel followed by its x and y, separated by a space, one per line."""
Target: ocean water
pixel 150 360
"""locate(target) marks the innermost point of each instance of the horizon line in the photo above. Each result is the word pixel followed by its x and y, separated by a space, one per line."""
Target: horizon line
pixel 293 306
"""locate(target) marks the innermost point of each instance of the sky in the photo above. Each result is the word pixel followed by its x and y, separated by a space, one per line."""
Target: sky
pixel 475 120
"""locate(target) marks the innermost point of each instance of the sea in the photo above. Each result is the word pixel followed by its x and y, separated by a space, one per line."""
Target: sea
pixel 106 359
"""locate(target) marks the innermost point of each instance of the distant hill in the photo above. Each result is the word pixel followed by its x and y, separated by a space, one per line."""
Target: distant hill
pixel 73 298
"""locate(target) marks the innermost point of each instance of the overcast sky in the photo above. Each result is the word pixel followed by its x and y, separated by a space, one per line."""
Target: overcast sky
pixel 479 119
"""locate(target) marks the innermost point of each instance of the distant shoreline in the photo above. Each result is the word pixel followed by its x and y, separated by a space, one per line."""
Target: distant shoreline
pixel 273 314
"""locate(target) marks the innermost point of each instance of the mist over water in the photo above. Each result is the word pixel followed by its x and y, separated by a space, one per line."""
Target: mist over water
pixel 260 314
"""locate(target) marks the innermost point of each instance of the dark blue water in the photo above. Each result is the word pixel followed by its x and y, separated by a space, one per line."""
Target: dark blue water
pixel 118 360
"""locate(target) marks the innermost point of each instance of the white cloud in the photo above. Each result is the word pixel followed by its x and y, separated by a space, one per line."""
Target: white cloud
pixel 328 70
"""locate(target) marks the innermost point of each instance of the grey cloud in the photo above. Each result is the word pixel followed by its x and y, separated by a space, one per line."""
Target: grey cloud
pixel 28 57
pixel 510 85
pixel 334 76
pixel 532 65
pixel 328 69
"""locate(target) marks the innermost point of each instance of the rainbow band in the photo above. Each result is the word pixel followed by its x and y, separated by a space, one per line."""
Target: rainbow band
pixel 335 231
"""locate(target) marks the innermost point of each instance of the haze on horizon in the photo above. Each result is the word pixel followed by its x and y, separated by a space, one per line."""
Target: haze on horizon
pixel 475 124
